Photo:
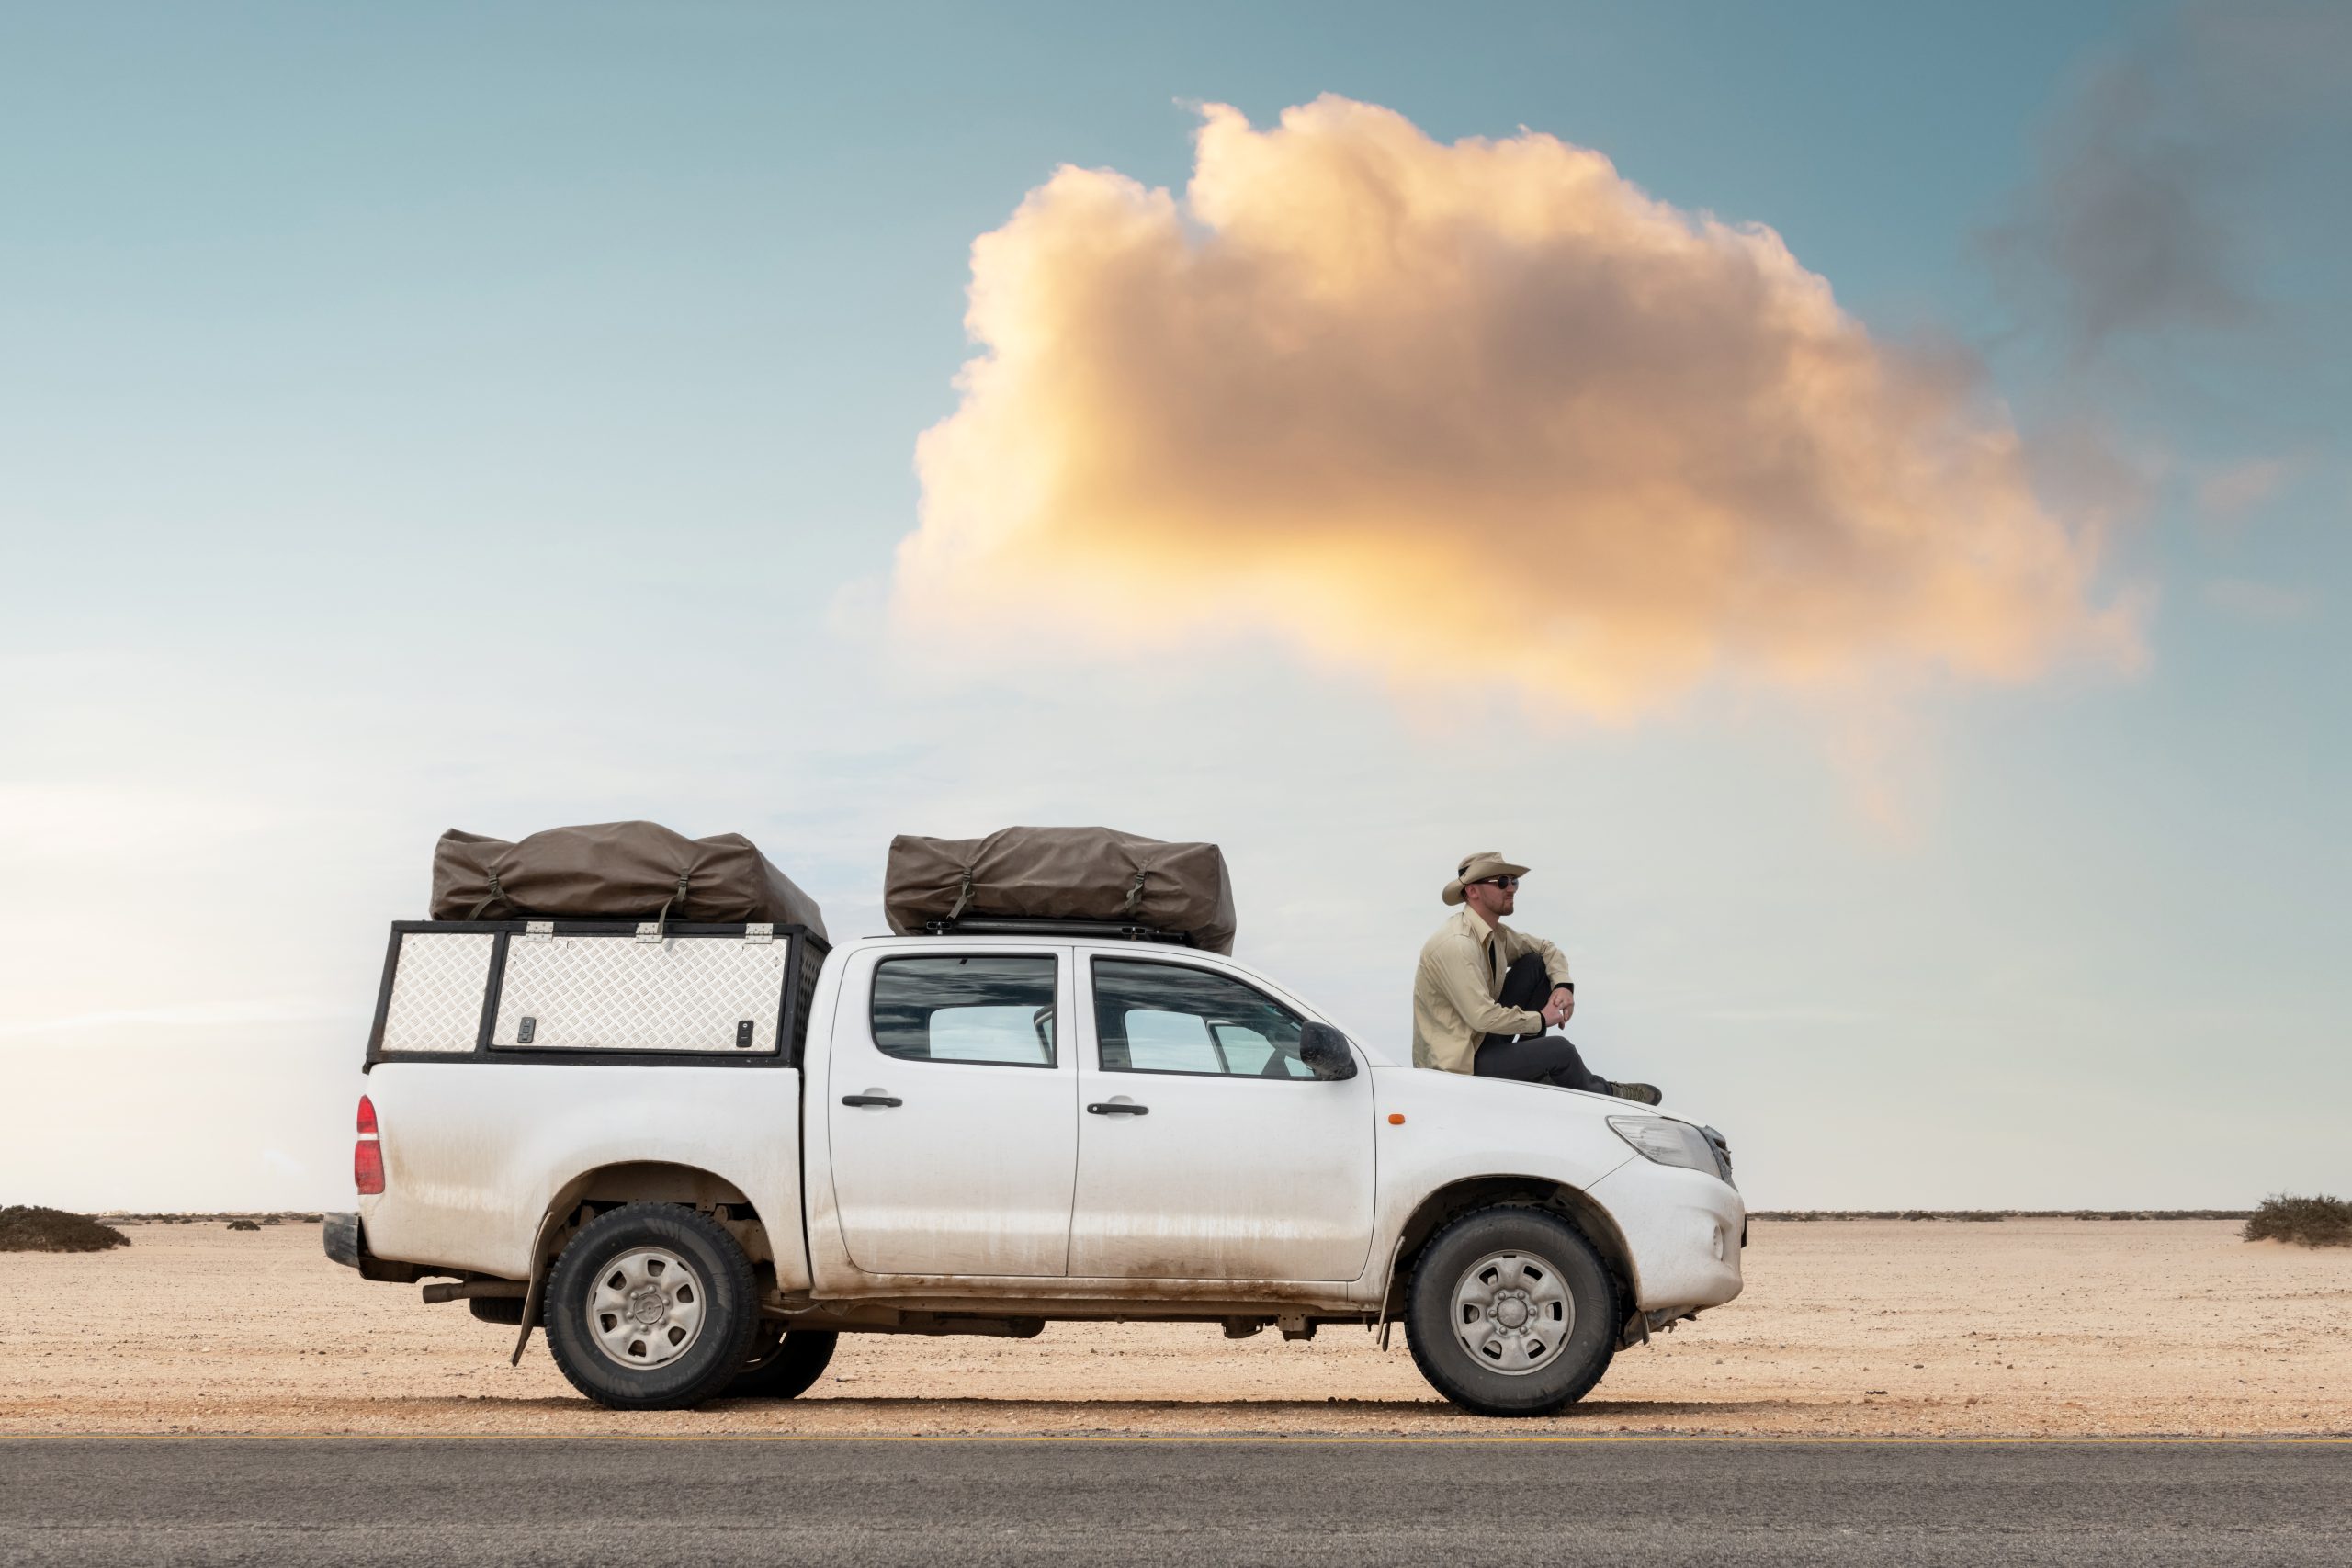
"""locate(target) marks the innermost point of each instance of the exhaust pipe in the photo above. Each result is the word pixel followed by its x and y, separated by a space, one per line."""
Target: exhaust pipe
pixel 472 1288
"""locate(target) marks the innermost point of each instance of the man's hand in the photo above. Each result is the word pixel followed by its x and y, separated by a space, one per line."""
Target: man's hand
pixel 1560 1009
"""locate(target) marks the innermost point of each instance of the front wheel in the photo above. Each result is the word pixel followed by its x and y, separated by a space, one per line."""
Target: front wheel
pixel 651 1307
pixel 1511 1312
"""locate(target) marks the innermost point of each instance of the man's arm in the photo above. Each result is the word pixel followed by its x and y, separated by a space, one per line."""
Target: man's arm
pixel 1562 1004
pixel 1456 967
pixel 1555 963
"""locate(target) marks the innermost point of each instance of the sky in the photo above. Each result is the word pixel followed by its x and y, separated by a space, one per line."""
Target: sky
pixel 1855 497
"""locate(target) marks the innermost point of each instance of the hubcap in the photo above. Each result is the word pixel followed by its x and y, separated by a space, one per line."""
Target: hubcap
pixel 646 1310
pixel 1512 1312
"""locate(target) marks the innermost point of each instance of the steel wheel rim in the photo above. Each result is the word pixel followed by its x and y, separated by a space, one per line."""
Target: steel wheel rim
pixel 1512 1312
pixel 646 1309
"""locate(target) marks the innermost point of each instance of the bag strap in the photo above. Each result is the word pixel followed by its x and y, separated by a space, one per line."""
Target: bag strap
pixel 661 920
pixel 496 895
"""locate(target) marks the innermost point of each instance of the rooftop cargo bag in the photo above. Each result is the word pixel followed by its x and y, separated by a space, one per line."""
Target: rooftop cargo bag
pixel 1061 874
pixel 610 870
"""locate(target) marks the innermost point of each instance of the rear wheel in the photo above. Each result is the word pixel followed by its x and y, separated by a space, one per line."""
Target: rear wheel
pixel 651 1307
pixel 783 1364
pixel 1511 1312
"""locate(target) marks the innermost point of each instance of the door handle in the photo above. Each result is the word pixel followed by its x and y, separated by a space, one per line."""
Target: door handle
pixel 1117 1108
pixel 872 1099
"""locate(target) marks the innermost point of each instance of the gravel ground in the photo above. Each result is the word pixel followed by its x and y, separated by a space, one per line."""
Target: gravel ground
pixel 2041 1328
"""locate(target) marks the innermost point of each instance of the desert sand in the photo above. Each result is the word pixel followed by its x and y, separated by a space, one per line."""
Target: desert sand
pixel 2050 1327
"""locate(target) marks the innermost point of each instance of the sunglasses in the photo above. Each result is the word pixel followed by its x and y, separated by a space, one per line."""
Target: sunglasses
pixel 1505 883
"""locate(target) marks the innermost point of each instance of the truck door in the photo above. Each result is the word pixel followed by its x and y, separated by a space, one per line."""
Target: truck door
pixel 954 1112
pixel 1206 1149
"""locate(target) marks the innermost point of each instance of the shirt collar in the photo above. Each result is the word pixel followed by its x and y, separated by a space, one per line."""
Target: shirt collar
pixel 1475 924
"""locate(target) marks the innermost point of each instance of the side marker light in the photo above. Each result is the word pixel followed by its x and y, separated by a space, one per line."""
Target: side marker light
pixel 1395 1119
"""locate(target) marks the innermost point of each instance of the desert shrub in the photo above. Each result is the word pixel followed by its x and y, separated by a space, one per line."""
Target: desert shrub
pixel 2307 1222
pixel 243 1225
pixel 33 1229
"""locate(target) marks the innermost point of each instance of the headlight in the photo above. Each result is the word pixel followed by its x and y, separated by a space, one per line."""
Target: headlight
pixel 1667 1142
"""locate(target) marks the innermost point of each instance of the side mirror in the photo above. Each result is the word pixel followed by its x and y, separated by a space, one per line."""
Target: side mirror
pixel 1324 1049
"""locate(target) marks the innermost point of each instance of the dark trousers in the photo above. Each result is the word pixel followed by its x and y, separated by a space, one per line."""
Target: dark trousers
pixel 1541 1058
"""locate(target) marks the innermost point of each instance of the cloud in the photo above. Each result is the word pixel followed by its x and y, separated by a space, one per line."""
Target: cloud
pixel 284 1167
pixel 2231 491
pixel 2124 230
pixel 2144 215
pixel 1482 412
pixel 110 1023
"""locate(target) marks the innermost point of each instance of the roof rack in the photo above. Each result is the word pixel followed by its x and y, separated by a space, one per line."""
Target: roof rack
pixel 1091 930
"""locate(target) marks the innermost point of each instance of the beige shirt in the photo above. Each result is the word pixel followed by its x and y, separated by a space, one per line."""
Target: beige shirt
pixel 1455 988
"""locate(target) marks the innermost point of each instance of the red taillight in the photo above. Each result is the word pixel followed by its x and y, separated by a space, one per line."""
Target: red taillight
pixel 367 1154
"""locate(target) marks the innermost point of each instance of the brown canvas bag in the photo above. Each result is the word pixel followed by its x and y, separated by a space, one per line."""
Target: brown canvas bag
pixel 1062 873
pixel 615 870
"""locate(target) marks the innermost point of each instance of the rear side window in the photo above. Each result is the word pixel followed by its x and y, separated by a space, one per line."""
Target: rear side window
pixel 1166 1018
pixel 979 1008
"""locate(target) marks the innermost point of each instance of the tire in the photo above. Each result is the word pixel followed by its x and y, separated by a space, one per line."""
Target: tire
pixel 651 1307
pixel 1511 1312
pixel 784 1366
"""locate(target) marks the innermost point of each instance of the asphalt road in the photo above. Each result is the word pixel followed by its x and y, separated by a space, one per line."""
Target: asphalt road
pixel 1329 1503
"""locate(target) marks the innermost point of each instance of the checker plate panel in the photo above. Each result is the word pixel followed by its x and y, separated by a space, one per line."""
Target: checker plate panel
pixel 619 994
pixel 438 991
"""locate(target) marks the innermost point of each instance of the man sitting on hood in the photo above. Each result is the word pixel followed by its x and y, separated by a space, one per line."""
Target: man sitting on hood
pixel 1485 995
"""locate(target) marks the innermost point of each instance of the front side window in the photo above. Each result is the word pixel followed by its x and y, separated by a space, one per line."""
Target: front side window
pixel 978 1007
pixel 1168 1018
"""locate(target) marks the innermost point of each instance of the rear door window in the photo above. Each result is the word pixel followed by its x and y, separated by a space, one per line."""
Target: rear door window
pixel 976 1007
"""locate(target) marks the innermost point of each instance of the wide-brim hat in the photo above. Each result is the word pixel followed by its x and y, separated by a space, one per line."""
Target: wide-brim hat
pixel 1477 868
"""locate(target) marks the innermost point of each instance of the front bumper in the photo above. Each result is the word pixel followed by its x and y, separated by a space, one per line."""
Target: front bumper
pixel 1684 1229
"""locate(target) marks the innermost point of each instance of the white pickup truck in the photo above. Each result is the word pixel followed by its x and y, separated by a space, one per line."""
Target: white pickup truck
pixel 698 1154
